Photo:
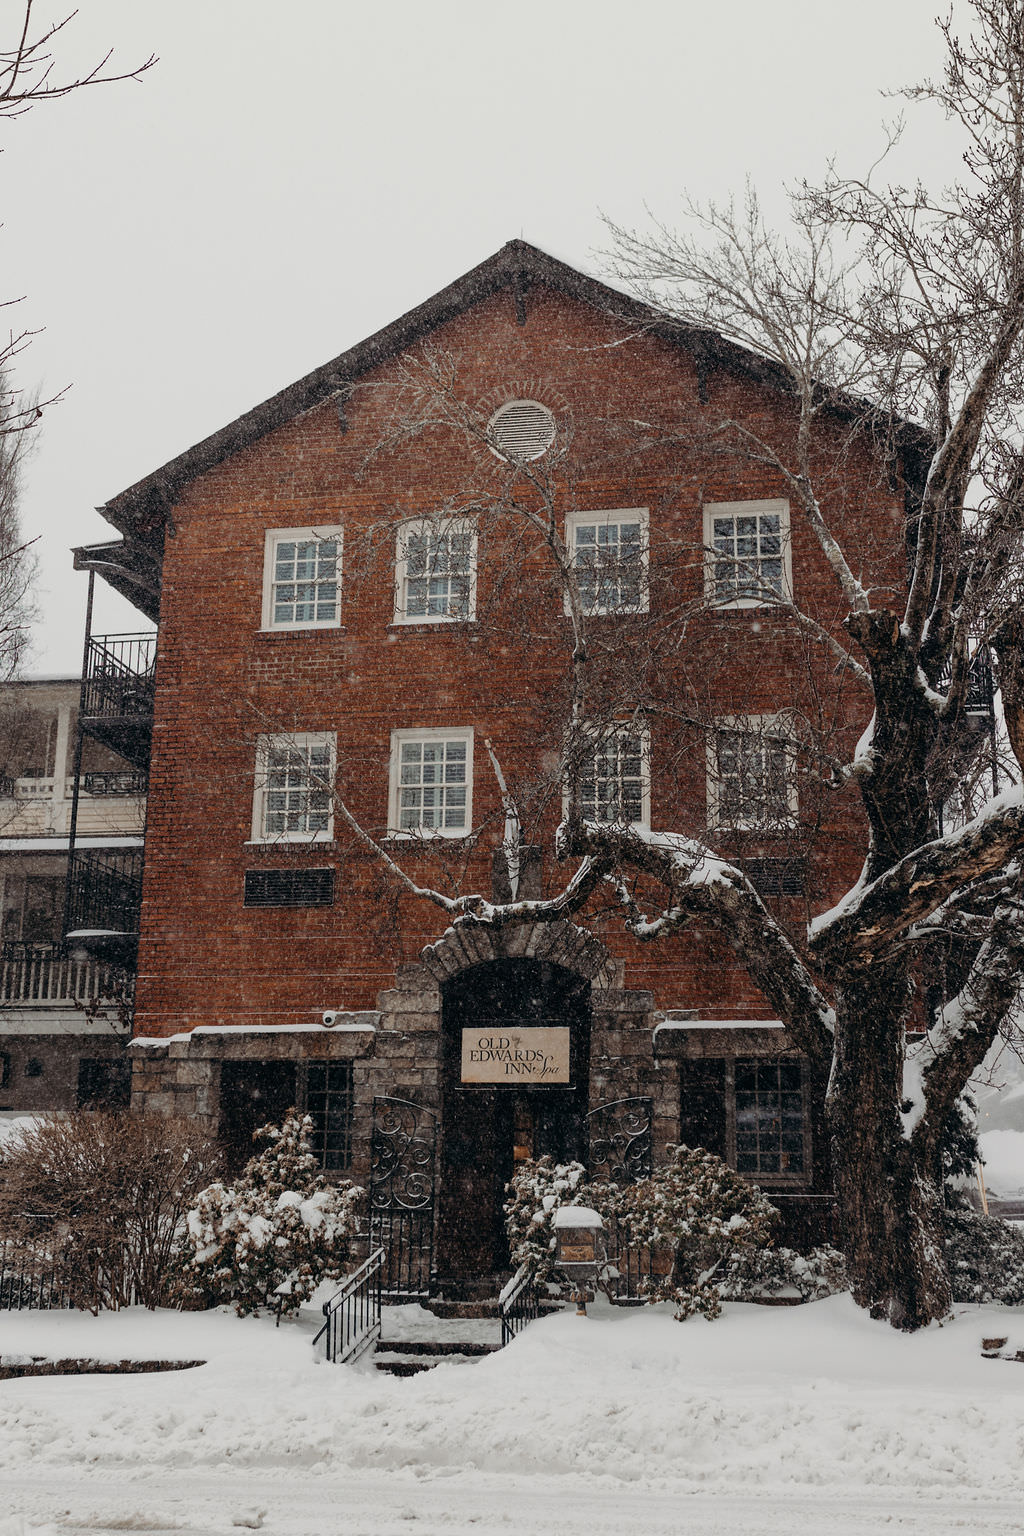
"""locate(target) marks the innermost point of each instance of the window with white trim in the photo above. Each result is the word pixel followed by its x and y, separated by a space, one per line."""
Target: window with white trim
pixel 431 783
pixel 294 783
pixel 751 774
pixel 613 776
pixel 435 572
pixel 609 553
pixel 747 553
pixel 302 578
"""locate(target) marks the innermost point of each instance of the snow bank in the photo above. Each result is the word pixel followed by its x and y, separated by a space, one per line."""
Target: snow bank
pixel 817 1397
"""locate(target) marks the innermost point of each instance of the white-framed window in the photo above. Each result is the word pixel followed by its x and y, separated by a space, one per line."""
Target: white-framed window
pixel 435 571
pixel 612 768
pixel 302 578
pixel 747 553
pixel 431 783
pixel 293 801
pixel 609 552
pixel 751 774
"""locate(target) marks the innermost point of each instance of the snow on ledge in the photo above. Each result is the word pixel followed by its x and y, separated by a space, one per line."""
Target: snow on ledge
pixel 675 1024
pixel 258 1031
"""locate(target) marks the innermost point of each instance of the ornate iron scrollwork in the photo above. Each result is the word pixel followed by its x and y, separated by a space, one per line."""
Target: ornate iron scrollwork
pixel 620 1140
pixel 402 1151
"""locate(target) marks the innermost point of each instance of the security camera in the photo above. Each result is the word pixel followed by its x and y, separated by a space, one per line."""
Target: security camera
pixel 330 1017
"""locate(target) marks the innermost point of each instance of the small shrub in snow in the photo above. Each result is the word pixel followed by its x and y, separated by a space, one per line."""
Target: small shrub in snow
pixel 280 1228
pixel 985 1258
pixel 98 1200
pixel 536 1191
pixel 704 1213
pixel 760 1272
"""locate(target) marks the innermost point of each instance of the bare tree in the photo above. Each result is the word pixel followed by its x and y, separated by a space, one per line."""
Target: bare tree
pixel 27 77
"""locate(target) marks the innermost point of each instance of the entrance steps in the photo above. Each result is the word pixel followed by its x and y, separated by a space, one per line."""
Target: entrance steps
pixel 407 1357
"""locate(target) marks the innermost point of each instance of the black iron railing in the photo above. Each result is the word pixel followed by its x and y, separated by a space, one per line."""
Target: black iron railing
pixel 121 782
pixel 518 1304
pixel 402 1180
pixel 104 890
pixel 119 676
pixel 352 1316
pixel 631 1274
pixel 30 1274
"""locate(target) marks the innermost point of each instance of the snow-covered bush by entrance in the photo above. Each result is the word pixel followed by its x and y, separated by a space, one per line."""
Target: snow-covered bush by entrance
pixel 535 1194
pixel 696 1210
pixel 277 1231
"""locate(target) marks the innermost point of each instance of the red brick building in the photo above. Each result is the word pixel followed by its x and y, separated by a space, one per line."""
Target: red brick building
pixel 356 598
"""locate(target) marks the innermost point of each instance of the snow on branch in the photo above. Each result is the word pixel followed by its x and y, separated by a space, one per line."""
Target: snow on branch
pixel 872 915
pixel 699 884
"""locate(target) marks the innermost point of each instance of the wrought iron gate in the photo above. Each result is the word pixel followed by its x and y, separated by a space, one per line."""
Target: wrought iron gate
pixel 403 1162
pixel 620 1151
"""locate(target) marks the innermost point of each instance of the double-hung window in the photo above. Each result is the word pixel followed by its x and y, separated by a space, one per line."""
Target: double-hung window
pixel 751 775
pixel 747 557
pixel 294 785
pixel 431 783
pixel 611 765
pixel 435 571
pixel 609 553
pixel 302 578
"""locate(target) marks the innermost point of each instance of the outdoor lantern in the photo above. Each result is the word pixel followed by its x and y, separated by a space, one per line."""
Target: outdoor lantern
pixel 579 1249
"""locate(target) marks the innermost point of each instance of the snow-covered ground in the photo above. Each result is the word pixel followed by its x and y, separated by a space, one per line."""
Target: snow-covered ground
pixel 772 1419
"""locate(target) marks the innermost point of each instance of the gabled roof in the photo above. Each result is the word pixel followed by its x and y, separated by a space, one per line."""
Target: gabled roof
pixel 142 509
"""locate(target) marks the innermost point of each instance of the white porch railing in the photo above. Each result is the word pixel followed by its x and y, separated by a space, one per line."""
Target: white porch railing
pixel 43 973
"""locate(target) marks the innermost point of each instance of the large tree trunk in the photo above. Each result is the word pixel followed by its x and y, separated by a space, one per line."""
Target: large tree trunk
pixel 890 1209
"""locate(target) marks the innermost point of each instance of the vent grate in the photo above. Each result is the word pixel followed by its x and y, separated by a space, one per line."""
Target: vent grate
pixel 521 430
pixel 289 888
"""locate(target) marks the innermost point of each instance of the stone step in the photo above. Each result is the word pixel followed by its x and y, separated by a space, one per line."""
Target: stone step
pixel 408 1357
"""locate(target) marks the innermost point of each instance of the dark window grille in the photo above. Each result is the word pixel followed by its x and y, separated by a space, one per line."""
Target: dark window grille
pixel 289 888
pixel 769 1117
pixel 329 1106
pixel 777 877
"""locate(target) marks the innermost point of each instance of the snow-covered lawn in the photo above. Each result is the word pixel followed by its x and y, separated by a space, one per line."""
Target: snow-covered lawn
pixel 772 1419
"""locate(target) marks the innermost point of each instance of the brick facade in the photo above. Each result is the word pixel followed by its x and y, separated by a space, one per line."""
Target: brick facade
pixel 219 980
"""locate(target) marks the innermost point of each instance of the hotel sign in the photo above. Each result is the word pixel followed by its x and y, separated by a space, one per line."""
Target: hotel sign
pixel 514 1057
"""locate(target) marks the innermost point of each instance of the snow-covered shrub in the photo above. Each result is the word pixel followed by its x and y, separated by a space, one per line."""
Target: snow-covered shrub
pixel 695 1209
pixel 985 1258
pixel 758 1272
pixel 703 1212
pixel 535 1194
pixel 277 1231
pixel 100 1198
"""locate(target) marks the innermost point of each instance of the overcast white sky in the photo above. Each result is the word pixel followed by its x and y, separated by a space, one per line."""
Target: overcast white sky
pixel 289 178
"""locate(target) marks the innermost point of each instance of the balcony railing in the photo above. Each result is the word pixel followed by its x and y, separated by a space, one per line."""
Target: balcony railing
pixel 48 973
pixel 104 891
pixel 117 694
pixel 119 676
pixel 128 782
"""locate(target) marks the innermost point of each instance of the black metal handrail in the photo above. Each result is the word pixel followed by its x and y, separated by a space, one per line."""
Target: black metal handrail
pixel 518 1304
pixel 352 1316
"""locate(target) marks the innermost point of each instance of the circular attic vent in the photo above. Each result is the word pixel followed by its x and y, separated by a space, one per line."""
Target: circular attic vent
pixel 521 430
